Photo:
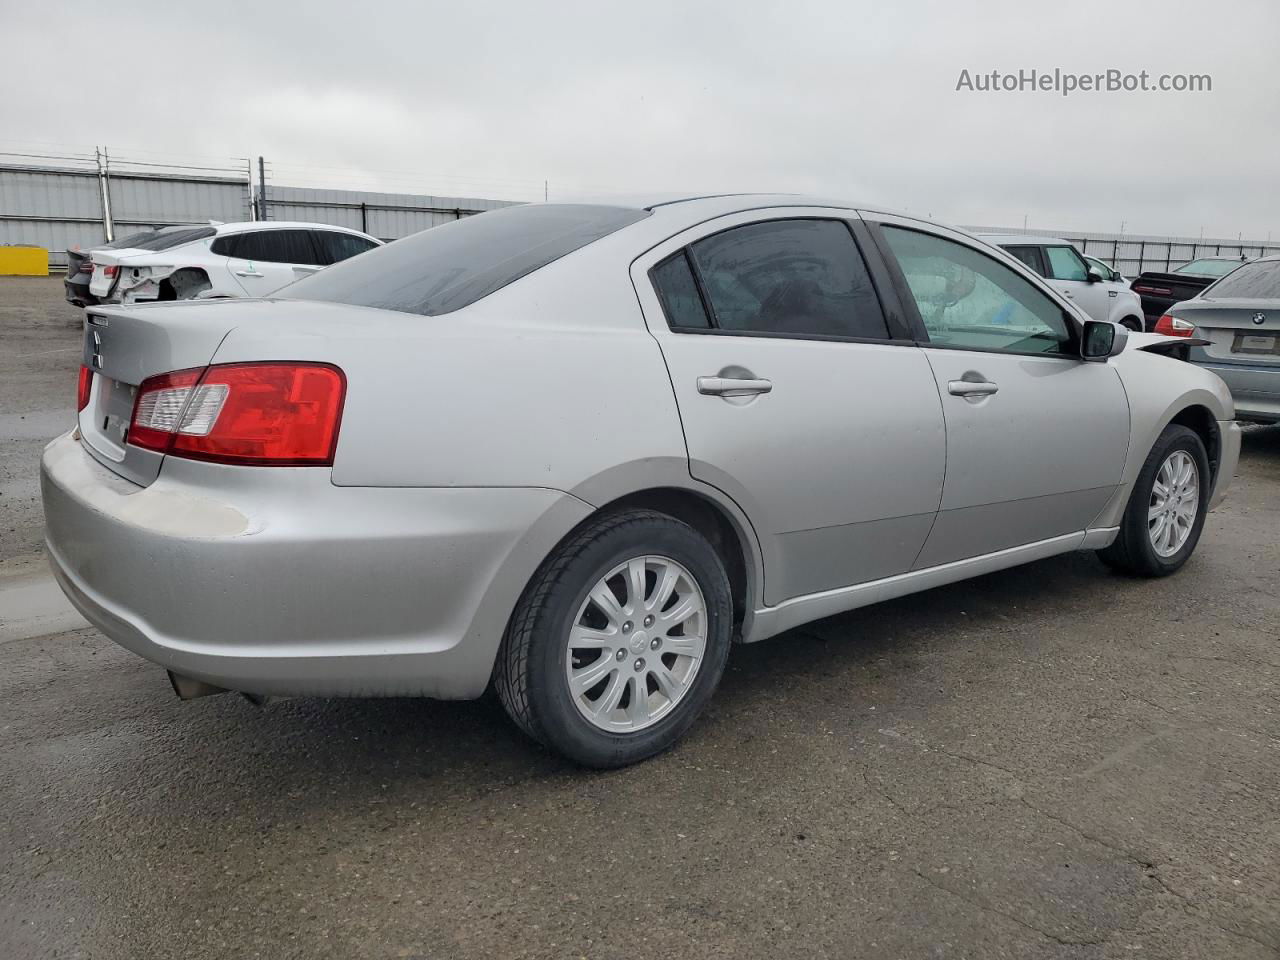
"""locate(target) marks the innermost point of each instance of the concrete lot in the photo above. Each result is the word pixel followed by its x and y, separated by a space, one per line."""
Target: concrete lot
pixel 1047 762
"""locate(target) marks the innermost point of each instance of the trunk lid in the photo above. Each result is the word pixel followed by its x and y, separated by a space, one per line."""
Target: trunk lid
pixel 1244 331
pixel 124 346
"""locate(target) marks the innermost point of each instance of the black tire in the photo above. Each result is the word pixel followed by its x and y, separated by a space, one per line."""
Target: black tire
pixel 530 672
pixel 1133 323
pixel 1132 552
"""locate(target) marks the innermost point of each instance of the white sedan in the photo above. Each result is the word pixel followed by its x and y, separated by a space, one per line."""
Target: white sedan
pixel 220 260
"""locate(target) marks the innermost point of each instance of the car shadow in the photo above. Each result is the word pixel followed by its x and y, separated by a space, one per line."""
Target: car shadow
pixel 326 755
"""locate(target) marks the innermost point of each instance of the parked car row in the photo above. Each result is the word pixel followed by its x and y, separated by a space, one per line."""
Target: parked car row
pixel 575 451
pixel 212 260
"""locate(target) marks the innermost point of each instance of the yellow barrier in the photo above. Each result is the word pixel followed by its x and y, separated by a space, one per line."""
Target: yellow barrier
pixel 24 262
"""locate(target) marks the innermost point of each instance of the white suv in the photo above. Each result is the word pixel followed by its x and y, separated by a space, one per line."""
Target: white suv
pixel 220 260
pixel 1099 295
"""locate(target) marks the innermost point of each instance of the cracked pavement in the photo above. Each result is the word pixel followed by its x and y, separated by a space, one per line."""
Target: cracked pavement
pixel 1046 762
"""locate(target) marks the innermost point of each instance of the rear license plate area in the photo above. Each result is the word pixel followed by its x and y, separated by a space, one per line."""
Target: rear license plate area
pixel 1256 344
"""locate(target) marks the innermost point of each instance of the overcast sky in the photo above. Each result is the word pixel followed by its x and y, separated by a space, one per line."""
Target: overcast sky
pixel 847 99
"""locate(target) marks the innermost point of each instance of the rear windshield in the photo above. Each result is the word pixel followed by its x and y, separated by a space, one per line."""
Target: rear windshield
pixel 129 242
pixel 451 266
pixel 1208 268
pixel 174 237
pixel 1253 281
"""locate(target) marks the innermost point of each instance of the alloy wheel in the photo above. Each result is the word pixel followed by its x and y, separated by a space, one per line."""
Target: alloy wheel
pixel 1175 501
pixel 636 644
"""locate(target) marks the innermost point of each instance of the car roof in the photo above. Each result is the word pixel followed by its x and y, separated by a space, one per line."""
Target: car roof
pixel 1000 239
pixel 250 226
pixel 724 202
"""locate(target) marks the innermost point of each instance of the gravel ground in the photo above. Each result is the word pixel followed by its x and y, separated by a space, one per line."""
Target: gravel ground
pixel 1045 762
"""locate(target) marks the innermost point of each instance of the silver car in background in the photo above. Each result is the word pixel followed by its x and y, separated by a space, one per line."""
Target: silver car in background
pixel 578 450
pixel 1236 326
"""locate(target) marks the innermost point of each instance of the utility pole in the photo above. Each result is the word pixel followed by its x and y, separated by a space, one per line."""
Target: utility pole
pixel 262 189
pixel 108 227
pixel 545 191
pixel 252 194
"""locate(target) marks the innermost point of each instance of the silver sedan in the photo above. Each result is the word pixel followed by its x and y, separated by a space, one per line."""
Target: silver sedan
pixel 577 451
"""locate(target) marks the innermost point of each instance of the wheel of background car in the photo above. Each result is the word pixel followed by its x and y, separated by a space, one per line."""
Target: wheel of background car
pixel 1166 510
pixel 619 641
pixel 1133 323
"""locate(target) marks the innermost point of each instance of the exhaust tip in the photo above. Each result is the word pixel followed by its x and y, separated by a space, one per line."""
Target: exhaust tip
pixel 188 688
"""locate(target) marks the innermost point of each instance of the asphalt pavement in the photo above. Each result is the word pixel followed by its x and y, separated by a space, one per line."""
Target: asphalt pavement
pixel 1048 762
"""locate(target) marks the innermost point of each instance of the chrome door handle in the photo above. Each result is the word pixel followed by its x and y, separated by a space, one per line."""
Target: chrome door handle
pixel 248 273
pixel 971 388
pixel 731 387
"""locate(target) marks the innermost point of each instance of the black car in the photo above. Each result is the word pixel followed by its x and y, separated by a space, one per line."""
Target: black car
pixel 1160 291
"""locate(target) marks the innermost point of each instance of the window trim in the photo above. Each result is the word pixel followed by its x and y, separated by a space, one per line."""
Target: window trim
pixel 1074 326
pixel 876 278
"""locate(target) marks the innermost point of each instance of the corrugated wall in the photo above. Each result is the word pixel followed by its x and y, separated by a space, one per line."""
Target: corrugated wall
pixel 58 208
pixel 387 216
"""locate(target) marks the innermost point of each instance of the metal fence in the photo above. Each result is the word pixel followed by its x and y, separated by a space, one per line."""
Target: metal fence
pixel 1133 254
pixel 81 200
pixel 84 201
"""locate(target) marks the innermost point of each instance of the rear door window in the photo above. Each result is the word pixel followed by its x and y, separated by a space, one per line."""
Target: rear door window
pixel 277 246
pixel 335 246
pixel 789 277
pixel 678 290
pixel 1031 256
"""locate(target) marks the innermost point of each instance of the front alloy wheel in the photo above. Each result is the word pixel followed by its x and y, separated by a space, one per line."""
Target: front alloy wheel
pixel 1175 503
pixel 1162 522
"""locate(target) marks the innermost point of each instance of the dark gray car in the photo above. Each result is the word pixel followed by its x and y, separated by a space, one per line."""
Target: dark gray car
pixel 1239 318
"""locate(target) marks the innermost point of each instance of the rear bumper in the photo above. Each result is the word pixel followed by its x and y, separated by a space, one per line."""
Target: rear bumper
pixel 277 582
pixel 1255 389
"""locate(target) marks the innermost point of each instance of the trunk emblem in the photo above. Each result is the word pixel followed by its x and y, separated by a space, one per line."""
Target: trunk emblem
pixel 1259 318
pixel 96 356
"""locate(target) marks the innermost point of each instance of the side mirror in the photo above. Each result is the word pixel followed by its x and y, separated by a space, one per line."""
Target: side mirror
pixel 1092 276
pixel 1101 340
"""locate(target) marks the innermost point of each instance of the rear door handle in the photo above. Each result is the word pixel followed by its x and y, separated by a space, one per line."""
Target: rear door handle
pixel 248 273
pixel 971 388
pixel 731 387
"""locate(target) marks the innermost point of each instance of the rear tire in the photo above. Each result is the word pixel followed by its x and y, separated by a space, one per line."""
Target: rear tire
pixel 1165 515
pixel 1133 323
pixel 610 687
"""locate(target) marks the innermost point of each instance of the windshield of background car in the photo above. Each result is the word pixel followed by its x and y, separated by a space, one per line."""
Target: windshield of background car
pixel 452 266
pixel 1208 268
pixel 166 239
pixel 1252 281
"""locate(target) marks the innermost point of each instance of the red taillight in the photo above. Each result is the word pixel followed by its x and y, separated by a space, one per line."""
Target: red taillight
pixel 270 414
pixel 87 266
pixel 83 386
pixel 110 270
pixel 1158 291
pixel 1174 326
